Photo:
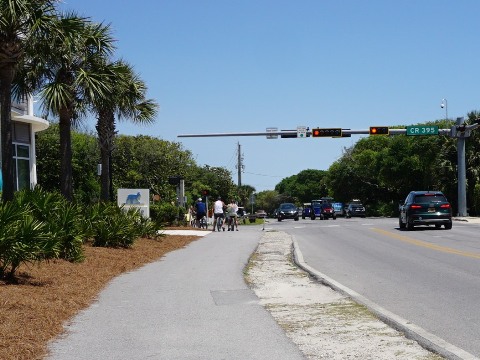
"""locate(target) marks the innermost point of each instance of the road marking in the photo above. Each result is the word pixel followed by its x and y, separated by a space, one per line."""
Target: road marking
pixel 427 245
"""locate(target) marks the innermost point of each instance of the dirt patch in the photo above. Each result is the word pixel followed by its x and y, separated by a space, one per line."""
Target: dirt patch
pixel 47 295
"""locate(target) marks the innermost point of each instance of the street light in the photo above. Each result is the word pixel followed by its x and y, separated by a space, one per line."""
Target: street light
pixel 444 105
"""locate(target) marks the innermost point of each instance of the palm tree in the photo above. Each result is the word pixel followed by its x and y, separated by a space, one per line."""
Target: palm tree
pixel 72 78
pixel 126 99
pixel 23 23
pixel 244 193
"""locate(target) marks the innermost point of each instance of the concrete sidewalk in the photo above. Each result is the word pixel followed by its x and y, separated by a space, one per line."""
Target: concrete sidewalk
pixel 192 304
pixel 469 219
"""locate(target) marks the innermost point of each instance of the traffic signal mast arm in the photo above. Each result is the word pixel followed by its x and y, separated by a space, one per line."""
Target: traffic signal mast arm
pixel 309 133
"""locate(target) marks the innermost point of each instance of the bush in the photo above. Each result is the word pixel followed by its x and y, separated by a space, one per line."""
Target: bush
pixel 40 225
pixel 164 214
pixel 63 220
pixel 111 226
pixel 142 226
pixel 23 239
pixel 383 209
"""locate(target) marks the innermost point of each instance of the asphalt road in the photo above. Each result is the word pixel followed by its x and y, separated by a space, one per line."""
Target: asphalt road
pixel 429 277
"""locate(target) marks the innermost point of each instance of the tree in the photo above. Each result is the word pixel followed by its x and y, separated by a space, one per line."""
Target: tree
pixel 305 186
pixel 124 97
pixel 72 78
pixel 85 156
pixel 147 162
pixel 24 24
pixel 244 193
pixel 269 200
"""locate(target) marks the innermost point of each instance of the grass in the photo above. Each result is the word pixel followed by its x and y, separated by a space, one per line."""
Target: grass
pixel 34 310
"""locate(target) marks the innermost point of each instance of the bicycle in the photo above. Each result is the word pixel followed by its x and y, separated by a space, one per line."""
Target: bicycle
pixel 218 223
pixel 232 223
pixel 203 223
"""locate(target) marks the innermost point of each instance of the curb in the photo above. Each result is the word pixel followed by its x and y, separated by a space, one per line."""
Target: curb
pixel 425 339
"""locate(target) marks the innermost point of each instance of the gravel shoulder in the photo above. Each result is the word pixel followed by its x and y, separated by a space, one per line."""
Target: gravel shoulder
pixel 322 322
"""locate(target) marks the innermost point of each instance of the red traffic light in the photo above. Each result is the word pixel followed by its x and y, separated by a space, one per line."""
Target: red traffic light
pixel 330 132
pixel 205 192
pixel 379 130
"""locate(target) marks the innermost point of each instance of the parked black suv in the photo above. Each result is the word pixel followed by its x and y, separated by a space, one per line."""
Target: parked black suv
pixel 287 211
pixel 425 208
pixel 355 209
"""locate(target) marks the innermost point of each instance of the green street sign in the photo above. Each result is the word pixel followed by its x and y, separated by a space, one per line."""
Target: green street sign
pixel 418 130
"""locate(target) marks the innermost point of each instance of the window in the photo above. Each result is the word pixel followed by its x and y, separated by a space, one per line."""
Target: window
pixel 21 132
pixel 21 165
pixel 430 198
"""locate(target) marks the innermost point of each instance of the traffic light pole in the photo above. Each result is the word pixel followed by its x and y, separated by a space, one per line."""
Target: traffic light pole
pixel 291 133
pixel 461 131
pixel 462 176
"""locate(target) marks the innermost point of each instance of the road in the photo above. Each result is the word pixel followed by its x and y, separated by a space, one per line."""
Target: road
pixel 427 276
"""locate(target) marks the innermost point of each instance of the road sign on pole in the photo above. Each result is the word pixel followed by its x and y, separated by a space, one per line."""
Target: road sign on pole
pixel 418 130
pixel 272 130
pixel 301 131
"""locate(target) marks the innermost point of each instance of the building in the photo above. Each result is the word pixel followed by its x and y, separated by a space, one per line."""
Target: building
pixel 24 127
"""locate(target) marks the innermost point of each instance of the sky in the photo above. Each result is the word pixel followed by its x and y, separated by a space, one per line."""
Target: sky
pixel 229 66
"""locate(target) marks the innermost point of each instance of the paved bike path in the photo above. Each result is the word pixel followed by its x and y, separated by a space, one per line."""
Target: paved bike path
pixel 191 304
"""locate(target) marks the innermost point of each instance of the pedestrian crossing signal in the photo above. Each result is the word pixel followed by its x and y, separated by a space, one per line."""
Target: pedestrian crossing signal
pixel 379 130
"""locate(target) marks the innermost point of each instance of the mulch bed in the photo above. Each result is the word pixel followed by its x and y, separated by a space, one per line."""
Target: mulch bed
pixel 34 310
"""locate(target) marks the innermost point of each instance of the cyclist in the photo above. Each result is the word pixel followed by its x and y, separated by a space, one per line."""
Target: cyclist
pixel 218 213
pixel 201 211
pixel 232 209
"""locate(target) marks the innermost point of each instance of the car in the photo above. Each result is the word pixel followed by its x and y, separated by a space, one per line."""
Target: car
pixel 307 209
pixel 316 208
pixel 339 208
pixel 287 211
pixel 327 211
pixel 261 214
pixel 355 209
pixel 425 208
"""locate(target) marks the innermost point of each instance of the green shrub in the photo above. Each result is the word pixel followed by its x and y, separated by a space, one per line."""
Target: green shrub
pixel 113 227
pixel 388 209
pixel 144 227
pixel 63 219
pixel 164 214
pixel 23 239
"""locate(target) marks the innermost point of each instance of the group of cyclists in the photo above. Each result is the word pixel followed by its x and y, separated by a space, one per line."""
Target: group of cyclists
pixel 222 214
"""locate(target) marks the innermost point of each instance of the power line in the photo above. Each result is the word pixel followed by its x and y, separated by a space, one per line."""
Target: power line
pixel 277 176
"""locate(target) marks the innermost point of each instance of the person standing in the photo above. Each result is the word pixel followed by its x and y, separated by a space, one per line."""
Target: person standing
pixel 191 216
pixel 218 207
pixel 201 211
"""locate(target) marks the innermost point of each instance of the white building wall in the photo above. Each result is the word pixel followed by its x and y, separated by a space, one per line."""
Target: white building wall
pixel 23 112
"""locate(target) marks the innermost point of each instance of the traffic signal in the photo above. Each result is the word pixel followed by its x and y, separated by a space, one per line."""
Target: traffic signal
pixel 174 180
pixel 205 192
pixel 330 132
pixel 379 130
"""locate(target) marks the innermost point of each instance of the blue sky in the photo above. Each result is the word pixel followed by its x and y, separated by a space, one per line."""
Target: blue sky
pixel 243 66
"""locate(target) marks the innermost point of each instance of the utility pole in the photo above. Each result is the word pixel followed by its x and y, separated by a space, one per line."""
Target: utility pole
pixel 239 165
